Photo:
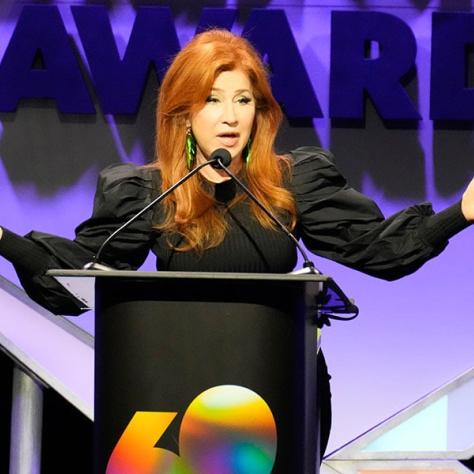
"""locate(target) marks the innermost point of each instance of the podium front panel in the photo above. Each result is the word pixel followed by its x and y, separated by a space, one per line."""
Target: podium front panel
pixel 205 376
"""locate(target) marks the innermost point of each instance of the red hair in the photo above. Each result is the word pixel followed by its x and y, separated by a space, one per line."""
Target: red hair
pixel 190 210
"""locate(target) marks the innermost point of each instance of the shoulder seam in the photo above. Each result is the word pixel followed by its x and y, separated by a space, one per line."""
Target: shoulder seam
pixel 303 154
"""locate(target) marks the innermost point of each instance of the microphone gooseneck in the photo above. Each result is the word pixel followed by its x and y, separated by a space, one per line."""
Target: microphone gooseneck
pixel 325 312
pixel 214 158
pixel 223 160
pixel 219 159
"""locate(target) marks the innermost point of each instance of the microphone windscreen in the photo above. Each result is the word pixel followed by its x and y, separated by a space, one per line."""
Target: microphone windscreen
pixel 220 154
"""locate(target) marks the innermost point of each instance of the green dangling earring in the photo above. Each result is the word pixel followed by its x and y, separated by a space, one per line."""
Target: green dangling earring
pixel 247 152
pixel 190 149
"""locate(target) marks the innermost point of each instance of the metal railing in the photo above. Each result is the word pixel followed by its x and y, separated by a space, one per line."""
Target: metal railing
pixel 48 351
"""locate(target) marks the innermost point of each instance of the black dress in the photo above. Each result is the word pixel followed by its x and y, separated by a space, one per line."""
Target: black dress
pixel 333 220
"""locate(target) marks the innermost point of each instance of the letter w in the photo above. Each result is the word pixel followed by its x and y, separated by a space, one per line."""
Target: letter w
pixel 119 82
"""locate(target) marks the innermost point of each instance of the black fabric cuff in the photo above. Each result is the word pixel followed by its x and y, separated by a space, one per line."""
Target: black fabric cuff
pixel 24 254
pixel 442 226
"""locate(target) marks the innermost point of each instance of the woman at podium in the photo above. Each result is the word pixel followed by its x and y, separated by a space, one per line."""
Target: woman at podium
pixel 216 94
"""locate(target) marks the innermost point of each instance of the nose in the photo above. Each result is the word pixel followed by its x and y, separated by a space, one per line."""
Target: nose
pixel 229 116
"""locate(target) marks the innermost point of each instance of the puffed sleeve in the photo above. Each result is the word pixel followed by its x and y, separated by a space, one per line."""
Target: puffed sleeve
pixel 122 191
pixel 339 223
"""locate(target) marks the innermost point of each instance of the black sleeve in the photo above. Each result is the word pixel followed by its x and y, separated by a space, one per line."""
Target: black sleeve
pixel 339 223
pixel 122 191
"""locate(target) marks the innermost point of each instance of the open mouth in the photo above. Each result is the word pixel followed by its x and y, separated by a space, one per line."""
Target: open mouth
pixel 228 138
pixel 228 135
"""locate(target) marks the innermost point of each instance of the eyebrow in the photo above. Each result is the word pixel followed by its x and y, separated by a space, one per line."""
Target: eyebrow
pixel 238 91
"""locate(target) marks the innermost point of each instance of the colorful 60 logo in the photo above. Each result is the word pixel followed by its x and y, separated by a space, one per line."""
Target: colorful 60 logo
pixel 227 429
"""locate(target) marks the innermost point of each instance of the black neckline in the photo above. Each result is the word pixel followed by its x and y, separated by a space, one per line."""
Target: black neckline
pixel 225 191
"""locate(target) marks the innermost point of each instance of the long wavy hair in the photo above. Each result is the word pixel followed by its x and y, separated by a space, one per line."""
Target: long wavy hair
pixel 190 211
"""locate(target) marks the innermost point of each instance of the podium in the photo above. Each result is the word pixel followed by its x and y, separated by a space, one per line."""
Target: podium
pixel 206 373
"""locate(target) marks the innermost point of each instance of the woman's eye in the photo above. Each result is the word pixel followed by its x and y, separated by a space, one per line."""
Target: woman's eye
pixel 244 100
pixel 211 99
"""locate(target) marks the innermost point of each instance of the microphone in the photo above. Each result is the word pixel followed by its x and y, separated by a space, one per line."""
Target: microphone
pixel 223 159
pixel 218 158
pixel 323 314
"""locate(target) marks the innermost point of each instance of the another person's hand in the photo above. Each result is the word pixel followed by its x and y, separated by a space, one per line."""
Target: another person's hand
pixel 467 203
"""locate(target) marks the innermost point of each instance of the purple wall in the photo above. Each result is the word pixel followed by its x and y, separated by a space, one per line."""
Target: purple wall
pixel 412 335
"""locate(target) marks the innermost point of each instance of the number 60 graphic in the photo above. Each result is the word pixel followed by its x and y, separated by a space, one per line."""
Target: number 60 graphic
pixel 226 429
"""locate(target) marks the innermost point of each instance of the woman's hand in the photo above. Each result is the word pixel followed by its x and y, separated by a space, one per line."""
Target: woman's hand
pixel 467 202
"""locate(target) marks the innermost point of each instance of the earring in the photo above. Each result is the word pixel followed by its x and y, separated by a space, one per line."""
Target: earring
pixel 247 152
pixel 190 149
